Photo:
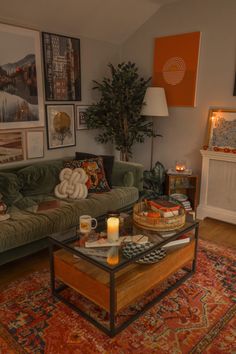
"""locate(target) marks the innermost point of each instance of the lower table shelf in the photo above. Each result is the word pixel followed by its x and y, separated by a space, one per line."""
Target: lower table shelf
pixel 130 283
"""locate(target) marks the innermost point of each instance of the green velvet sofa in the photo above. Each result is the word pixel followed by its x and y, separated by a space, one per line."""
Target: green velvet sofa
pixel 25 188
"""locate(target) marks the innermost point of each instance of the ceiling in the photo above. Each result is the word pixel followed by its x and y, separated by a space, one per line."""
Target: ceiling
pixel 108 20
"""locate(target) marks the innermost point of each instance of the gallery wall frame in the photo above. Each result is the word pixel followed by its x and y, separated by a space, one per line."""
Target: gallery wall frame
pixel 62 67
pixel 221 130
pixel 176 60
pixel 80 121
pixel 34 144
pixel 60 119
pixel 21 89
pixel 12 146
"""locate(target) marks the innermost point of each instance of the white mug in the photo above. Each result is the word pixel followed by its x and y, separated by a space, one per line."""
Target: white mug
pixel 85 224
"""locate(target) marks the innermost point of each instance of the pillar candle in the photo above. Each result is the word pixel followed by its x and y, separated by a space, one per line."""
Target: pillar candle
pixel 112 229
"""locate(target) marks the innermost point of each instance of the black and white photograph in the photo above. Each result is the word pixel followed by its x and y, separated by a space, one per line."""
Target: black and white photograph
pixel 80 120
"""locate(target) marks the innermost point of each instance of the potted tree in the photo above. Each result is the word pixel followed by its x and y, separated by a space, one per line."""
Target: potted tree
pixel 117 114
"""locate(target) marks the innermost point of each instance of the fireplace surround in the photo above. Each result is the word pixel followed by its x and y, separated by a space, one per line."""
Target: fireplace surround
pixel 218 186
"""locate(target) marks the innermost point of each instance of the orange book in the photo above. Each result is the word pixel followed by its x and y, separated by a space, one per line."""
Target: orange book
pixel 163 205
pixel 49 204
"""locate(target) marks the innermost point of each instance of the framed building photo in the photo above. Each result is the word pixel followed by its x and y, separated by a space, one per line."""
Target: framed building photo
pixel 11 146
pixel 60 126
pixel 80 121
pixel 21 94
pixel 34 144
pixel 221 130
pixel 62 67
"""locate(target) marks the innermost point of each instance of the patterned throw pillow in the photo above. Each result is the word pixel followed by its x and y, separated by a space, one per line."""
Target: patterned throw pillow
pixel 108 161
pixel 97 182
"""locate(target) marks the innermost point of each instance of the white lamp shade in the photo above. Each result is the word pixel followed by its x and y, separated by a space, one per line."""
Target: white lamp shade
pixel 154 102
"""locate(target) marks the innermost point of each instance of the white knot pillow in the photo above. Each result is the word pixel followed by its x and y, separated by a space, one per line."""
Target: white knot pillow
pixel 72 184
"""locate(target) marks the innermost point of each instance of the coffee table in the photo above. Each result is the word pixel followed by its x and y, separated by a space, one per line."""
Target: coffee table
pixel 114 287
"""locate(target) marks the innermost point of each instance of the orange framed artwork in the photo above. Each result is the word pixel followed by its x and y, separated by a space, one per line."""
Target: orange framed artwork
pixel 175 67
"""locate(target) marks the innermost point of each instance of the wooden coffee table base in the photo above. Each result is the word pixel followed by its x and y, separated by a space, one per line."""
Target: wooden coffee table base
pixel 114 291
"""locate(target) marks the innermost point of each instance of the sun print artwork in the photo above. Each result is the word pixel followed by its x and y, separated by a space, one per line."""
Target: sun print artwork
pixel 60 126
pixel 175 67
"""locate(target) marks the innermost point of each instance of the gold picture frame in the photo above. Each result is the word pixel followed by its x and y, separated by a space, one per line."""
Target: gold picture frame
pixel 221 130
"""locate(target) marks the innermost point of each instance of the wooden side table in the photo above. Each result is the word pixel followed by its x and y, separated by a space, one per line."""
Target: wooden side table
pixel 183 184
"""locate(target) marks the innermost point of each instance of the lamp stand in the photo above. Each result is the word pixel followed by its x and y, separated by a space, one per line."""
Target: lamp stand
pixel 152 143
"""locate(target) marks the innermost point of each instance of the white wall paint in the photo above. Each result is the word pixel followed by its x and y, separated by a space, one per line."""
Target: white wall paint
pixel 184 130
pixel 95 56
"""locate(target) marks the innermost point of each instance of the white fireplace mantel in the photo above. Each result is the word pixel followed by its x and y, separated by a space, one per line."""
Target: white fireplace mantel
pixel 218 186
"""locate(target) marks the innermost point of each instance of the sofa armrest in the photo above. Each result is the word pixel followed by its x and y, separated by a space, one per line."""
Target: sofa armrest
pixel 120 170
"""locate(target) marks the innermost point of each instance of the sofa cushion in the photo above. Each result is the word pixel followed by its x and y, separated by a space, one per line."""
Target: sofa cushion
pixel 94 169
pixel 108 161
pixel 40 178
pixel 128 179
pixel 10 188
pixel 25 227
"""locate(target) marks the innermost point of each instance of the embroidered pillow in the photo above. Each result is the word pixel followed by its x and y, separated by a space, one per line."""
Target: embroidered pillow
pixel 93 167
pixel 108 161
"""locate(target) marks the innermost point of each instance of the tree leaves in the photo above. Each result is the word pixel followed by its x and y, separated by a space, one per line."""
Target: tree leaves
pixel 117 114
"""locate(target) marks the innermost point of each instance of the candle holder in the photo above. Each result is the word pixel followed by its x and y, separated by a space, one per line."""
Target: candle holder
pixel 112 229
pixel 113 255
pixel 180 166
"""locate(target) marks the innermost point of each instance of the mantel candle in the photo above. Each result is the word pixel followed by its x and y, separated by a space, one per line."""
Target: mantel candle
pixel 112 229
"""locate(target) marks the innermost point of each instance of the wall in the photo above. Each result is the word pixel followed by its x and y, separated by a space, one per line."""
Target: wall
pixel 95 55
pixel 184 130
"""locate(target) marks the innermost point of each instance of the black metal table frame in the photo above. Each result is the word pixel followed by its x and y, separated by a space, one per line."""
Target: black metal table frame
pixel 113 330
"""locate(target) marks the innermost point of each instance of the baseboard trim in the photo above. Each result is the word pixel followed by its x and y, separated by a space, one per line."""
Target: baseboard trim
pixel 204 211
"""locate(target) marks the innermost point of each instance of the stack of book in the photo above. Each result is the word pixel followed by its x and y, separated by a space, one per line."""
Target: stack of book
pixel 181 240
pixel 187 205
pixel 99 248
pixel 165 208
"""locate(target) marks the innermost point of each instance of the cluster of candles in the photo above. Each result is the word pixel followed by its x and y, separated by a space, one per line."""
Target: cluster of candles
pixel 180 166
pixel 113 224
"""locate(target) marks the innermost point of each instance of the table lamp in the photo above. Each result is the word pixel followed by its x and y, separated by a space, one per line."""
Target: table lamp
pixel 154 105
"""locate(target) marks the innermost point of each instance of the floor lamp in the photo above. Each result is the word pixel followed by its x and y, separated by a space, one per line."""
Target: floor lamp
pixel 154 105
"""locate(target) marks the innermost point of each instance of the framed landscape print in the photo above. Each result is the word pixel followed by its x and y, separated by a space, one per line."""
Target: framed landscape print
pixel 80 121
pixel 175 67
pixel 11 146
pixel 34 144
pixel 60 126
pixel 62 67
pixel 21 96
pixel 222 130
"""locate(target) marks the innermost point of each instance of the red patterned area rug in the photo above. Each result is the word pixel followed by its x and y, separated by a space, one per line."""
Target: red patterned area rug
pixel 197 317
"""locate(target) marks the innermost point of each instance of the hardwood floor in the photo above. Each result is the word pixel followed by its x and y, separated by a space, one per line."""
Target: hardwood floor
pixel 211 230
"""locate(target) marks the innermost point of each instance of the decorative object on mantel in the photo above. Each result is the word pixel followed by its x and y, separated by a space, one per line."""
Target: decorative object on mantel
pixel 117 114
pixel 221 135
pixel 175 67
pixel 62 67
pixel 154 105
